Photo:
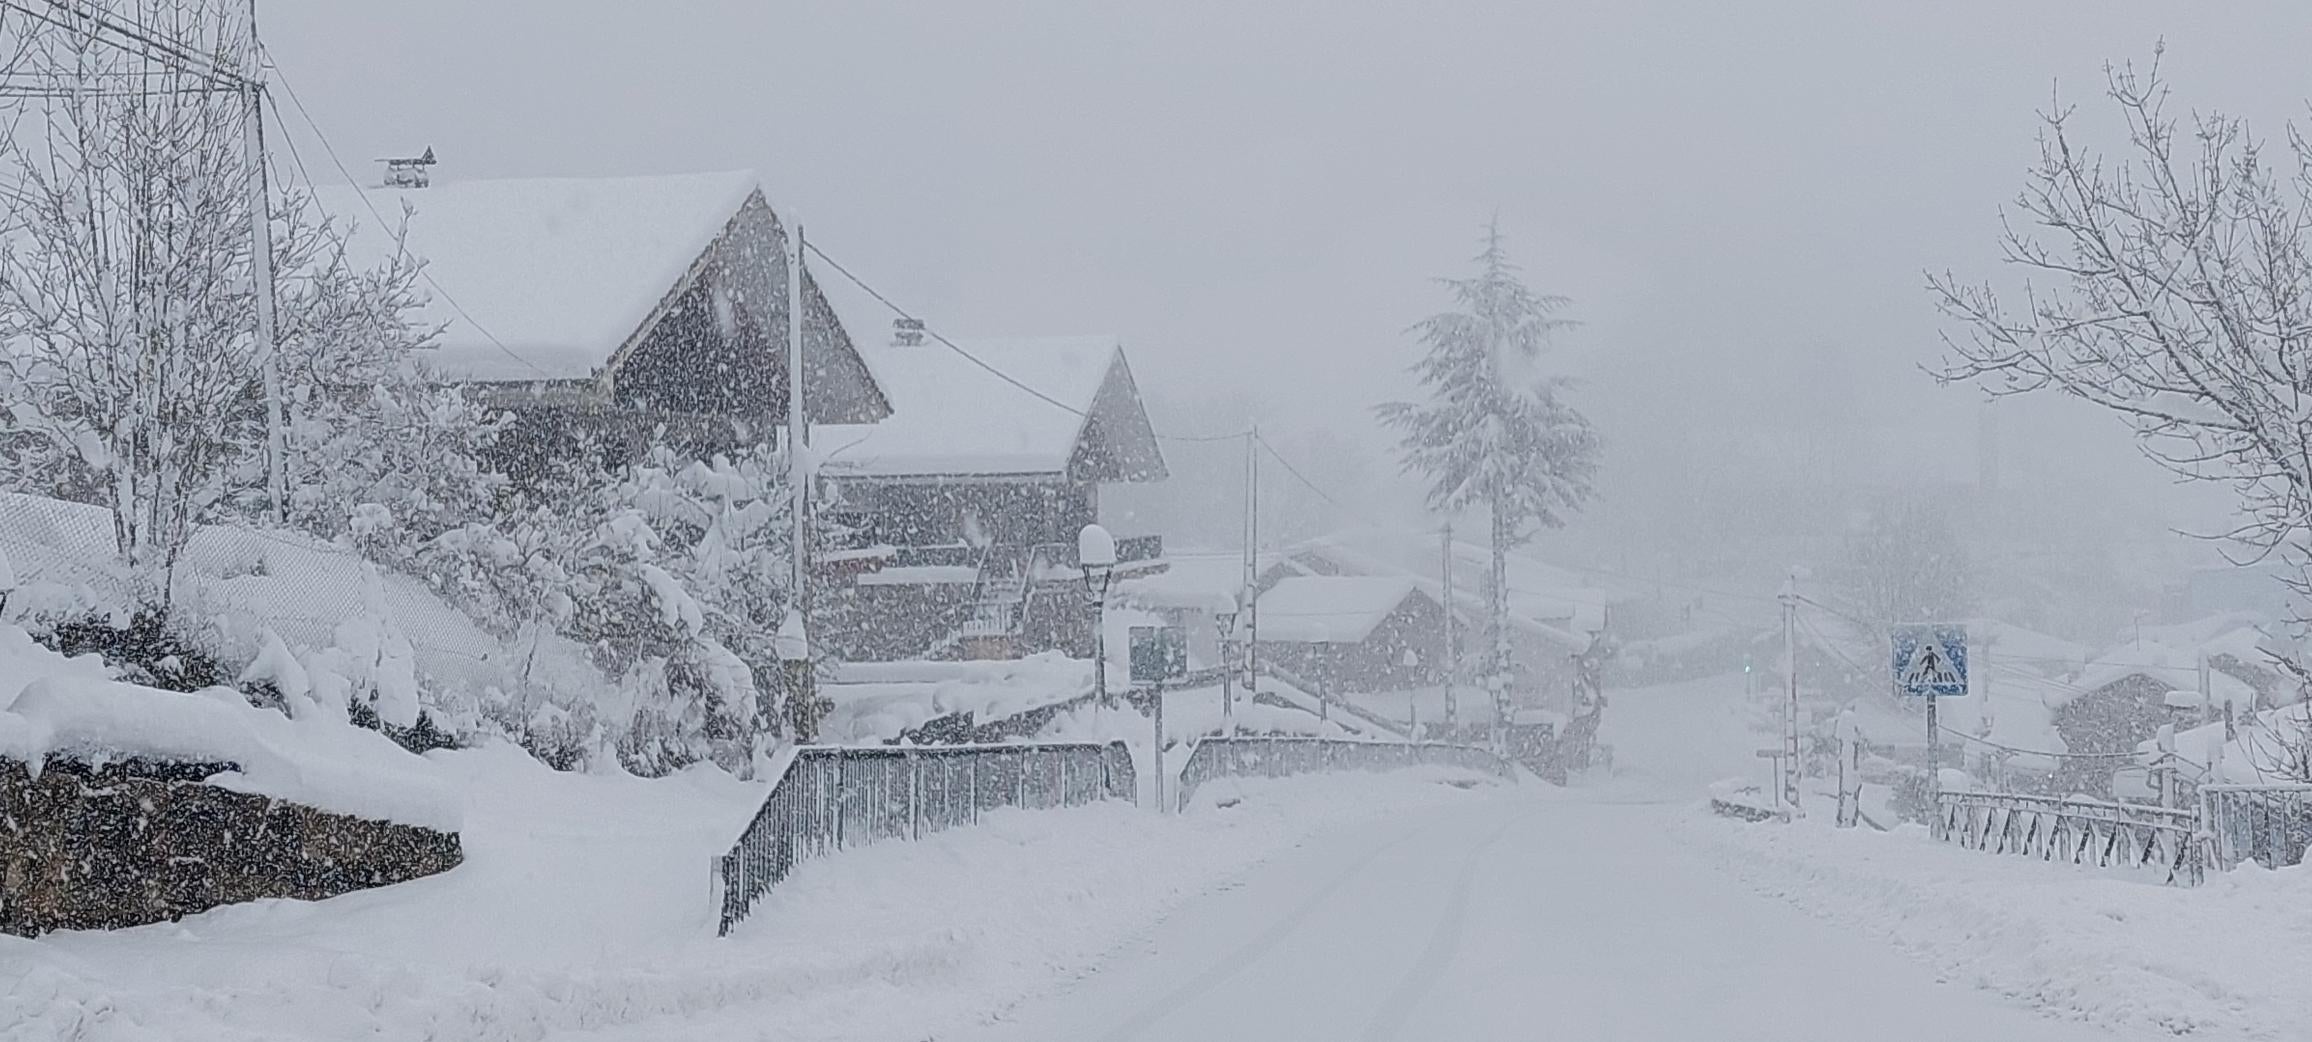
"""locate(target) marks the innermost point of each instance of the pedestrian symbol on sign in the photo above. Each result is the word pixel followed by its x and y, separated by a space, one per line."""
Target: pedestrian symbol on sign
pixel 1931 661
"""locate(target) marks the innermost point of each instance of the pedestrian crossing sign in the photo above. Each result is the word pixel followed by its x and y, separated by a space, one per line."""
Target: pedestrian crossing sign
pixel 1930 661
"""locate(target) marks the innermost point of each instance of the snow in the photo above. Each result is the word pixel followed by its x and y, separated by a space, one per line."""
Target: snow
pixel 1580 915
pixel 2175 668
pixel 582 912
pixel 2223 960
pixel 921 575
pixel 875 701
pixel 1205 582
pixel 1544 599
pixel 257 585
pixel 1334 609
pixel 951 417
pixel 560 271
pixel 65 706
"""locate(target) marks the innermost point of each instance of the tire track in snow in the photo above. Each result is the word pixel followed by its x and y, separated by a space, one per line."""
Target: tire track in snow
pixel 1444 943
pixel 1251 951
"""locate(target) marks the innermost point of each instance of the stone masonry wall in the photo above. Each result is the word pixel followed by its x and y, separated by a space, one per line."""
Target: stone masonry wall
pixel 132 842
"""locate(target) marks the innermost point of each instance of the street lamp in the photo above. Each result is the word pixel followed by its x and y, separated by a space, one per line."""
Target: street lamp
pixel 1412 664
pixel 793 644
pixel 1096 555
pixel 1224 619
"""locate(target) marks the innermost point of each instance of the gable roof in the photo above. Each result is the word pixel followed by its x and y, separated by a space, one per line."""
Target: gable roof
pixel 1074 412
pixel 561 272
pixel 1329 609
pixel 2173 668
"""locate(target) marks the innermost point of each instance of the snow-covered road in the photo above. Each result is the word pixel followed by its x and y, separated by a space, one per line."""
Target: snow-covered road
pixel 1510 919
pixel 1581 915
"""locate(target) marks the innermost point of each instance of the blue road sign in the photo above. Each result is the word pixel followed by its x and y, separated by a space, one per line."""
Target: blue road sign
pixel 1158 654
pixel 1931 661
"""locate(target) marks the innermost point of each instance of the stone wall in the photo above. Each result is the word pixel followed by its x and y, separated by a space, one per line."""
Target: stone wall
pixel 131 842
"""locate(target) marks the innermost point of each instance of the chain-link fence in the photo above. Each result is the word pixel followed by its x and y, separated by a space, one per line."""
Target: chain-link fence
pixel 834 797
pixel 1279 756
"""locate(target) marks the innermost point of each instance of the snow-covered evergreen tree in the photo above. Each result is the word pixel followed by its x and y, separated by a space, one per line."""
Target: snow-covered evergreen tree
pixel 1496 432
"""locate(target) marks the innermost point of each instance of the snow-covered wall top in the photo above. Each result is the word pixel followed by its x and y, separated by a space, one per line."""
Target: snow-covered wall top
pixel 50 704
pixel 559 271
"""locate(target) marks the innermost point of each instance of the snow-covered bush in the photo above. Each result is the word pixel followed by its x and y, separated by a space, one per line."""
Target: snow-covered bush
pixel 671 573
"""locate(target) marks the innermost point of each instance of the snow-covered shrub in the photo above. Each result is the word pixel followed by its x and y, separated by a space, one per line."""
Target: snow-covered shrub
pixel 670 572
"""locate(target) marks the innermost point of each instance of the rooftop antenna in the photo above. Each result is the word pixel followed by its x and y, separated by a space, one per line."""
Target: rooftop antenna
pixel 409 173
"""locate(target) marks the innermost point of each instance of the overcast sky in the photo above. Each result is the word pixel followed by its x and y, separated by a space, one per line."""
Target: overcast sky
pixel 1739 197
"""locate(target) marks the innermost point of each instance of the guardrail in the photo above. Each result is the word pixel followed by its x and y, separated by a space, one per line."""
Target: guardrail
pixel 831 798
pixel 1247 756
pixel 2080 831
pixel 2269 825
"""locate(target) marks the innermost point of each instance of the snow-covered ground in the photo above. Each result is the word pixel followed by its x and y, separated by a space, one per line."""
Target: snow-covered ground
pixel 2224 960
pixel 584 911
pixel 1345 906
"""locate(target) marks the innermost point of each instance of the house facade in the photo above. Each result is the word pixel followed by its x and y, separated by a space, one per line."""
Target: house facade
pixel 1353 634
pixel 600 310
pixel 961 509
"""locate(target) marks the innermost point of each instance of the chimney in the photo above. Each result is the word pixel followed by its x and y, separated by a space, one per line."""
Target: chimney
pixel 409 173
pixel 906 332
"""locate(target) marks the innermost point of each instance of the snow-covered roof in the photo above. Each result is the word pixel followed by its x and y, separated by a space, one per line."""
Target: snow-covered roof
pixel 952 416
pixel 2173 668
pixel 2010 645
pixel 1545 599
pixel 1200 581
pixel 1329 609
pixel 559 271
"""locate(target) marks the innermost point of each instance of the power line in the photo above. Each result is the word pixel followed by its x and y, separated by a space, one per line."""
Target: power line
pixel 999 374
pixel 363 194
pixel 169 53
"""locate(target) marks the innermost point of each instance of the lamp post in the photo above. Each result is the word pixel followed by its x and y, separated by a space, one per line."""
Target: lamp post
pixel 1096 555
pixel 793 643
pixel 1412 664
pixel 1224 619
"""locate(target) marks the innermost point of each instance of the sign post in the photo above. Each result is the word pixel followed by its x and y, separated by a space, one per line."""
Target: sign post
pixel 1930 662
pixel 1158 654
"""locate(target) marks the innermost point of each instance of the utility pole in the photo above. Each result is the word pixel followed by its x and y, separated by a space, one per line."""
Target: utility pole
pixel 798 478
pixel 1452 656
pixel 803 693
pixel 1252 563
pixel 1790 767
pixel 261 281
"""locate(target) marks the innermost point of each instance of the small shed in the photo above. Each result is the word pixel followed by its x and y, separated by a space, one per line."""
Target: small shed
pixel 1353 633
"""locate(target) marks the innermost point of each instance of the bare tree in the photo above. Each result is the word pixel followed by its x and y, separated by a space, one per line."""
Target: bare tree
pixel 2170 284
pixel 127 307
pixel 125 289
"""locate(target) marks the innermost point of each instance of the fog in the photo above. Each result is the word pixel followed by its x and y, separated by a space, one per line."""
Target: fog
pixel 1740 203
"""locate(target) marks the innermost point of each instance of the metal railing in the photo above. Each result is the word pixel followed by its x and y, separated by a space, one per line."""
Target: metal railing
pixel 2269 825
pixel 832 798
pixel 1278 756
pixel 2077 830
